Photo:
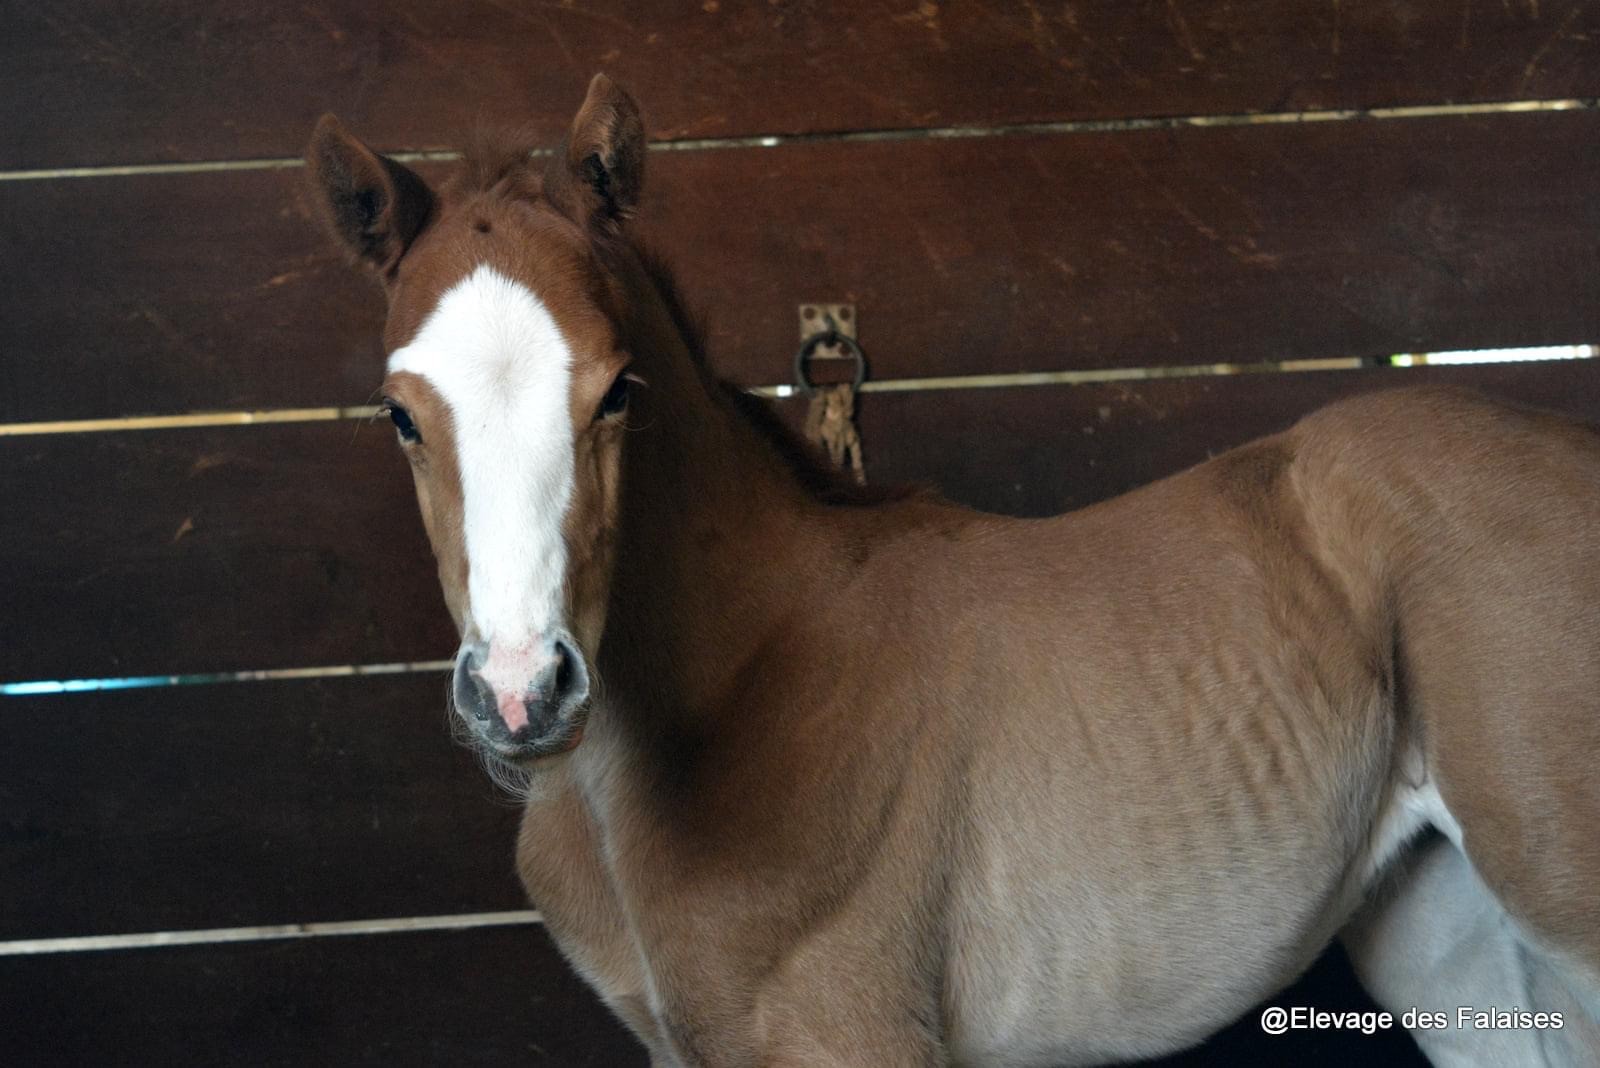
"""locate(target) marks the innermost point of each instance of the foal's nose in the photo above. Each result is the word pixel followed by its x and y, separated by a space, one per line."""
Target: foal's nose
pixel 522 700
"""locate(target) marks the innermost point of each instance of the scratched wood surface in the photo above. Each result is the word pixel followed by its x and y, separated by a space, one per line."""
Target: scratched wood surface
pixel 191 550
pixel 198 550
pixel 241 804
pixel 97 81
pixel 1006 254
pixel 493 996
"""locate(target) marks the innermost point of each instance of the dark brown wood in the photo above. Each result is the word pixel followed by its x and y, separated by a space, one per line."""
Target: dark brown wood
pixel 178 293
pixel 1003 254
pixel 94 81
pixel 1149 249
pixel 175 551
pixel 244 804
pixel 161 552
pixel 496 996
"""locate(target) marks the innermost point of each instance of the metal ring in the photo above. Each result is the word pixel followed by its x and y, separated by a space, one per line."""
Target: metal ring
pixel 830 337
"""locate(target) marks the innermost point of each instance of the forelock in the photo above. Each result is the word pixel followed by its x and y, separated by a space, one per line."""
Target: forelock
pixel 500 160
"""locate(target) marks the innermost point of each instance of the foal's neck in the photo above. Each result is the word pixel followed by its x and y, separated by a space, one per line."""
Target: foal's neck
pixel 719 544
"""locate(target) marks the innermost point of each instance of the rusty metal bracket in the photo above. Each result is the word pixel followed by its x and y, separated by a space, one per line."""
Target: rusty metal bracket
pixel 828 332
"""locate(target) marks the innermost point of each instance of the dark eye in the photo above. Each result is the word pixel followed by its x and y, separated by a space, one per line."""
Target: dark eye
pixel 616 398
pixel 402 422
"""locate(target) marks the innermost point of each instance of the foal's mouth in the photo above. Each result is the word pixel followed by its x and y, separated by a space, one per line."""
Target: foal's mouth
pixel 527 754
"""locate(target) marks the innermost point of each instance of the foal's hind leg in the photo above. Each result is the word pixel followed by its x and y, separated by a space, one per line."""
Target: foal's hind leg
pixel 1498 617
pixel 1498 632
pixel 1506 692
pixel 1436 939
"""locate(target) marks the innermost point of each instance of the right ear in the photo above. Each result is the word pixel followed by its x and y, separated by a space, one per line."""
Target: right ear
pixel 376 206
pixel 595 175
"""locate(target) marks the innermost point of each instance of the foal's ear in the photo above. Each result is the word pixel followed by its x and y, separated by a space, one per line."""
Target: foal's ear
pixel 596 174
pixel 375 205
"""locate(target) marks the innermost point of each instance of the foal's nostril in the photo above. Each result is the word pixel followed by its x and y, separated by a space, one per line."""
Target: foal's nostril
pixel 563 669
pixel 571 686
pixel 472 694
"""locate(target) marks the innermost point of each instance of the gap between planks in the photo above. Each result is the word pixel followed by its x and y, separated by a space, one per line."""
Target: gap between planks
pixel 50 687
pixel 29 947
pixel 932 133
pixel 887 385
pixel 1009 380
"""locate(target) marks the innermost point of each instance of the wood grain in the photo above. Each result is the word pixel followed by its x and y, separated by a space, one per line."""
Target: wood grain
pixel 95 81
pixel 165 552
pixel 271 546
pixel 1007 254
pixel 244 804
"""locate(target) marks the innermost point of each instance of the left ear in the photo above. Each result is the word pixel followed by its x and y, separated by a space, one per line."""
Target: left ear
pixel 596 175
pixel 375 205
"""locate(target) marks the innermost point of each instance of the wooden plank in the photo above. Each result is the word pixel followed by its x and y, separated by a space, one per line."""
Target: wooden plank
pixel 164 552
pixel 200 550
pixel 183 293
pixel 1150 249
pixel 1004 254
pixel 492 997
pixel 94 81
pixel 245 804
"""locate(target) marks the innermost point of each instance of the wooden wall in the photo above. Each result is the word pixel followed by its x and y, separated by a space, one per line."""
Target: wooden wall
pixel 157 258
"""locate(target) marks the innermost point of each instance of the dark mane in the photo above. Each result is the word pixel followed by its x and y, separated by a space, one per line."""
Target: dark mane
pixel 810 466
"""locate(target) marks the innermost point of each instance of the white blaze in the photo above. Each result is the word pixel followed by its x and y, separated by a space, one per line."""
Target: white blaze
pixel 498 360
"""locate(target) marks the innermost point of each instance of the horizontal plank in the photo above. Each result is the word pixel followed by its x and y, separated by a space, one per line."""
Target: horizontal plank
pixel 244 804
pixel 163 552
pixel 194 292
pixel 175 551
pixel 1149 249
pixel 493 997
pixel 105 82
pixel 178 294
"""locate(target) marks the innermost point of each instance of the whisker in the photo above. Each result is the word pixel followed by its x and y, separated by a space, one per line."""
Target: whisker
pixel 357 424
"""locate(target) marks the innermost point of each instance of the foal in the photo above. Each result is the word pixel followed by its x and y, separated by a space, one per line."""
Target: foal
pixel 821 777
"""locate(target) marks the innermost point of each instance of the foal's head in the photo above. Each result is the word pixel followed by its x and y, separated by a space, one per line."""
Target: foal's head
pixel 508 386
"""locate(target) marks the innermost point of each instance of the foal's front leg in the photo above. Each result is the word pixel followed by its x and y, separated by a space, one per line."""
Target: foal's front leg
pixel 558 860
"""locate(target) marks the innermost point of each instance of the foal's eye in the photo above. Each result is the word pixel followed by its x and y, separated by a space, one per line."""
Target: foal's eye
pixel 616 398
pixel 402 422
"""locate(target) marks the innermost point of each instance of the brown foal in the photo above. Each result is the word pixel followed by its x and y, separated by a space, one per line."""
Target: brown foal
pixel 822 776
